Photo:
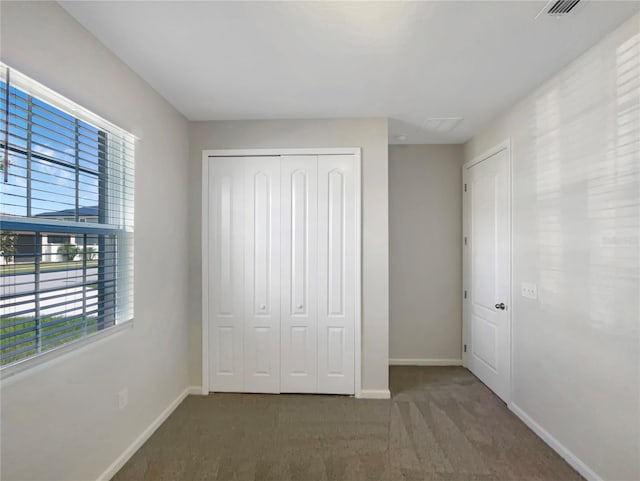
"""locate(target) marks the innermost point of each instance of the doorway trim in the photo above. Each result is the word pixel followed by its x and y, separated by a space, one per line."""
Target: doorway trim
pixel 206 154
pixel 505 146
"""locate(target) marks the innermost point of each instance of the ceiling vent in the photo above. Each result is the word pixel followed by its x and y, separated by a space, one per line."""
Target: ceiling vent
pixel 442 124
pixel 558 8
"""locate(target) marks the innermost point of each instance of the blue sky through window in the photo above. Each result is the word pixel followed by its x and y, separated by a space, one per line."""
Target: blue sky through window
pixel 51 158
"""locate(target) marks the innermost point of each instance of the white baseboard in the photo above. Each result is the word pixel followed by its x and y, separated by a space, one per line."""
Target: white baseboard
pixel 575 462
pixel 425 362
pixel 375 394
pixel 146 434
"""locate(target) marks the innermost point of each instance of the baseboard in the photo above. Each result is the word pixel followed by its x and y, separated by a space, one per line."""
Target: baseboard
pixel 196 390
pixel 375 394
pixel 425 362
pixel 575 462
pixel 146 434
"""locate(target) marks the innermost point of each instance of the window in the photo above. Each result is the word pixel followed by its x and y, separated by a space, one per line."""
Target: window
pixel 59 239
pixel 66 221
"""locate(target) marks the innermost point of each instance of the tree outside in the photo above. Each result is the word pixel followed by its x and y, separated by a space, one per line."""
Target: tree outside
pixel 68 251
pixel 90 253
pixel 8 245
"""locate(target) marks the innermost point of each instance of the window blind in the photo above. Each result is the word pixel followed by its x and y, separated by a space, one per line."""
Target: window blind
pixel 66 220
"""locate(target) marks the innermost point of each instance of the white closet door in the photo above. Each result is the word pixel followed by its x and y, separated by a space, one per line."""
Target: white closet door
pixel 336 273
pixel 262 275
pixel 299 273
pixel 226 273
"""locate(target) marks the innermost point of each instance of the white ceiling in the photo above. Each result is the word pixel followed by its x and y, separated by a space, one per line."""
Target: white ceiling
pixel 409 61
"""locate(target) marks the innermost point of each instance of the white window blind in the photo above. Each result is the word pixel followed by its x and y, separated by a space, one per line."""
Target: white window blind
pixel 66 220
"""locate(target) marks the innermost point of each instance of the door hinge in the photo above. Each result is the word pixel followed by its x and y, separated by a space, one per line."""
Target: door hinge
pixel 465 348
pixel 465 187
pixel 465 294
pixel 465 241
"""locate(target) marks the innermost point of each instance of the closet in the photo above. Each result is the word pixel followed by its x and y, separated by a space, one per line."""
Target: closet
pixel 281 271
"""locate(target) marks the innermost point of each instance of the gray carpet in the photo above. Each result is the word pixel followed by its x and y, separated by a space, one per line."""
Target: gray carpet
pixel 441 424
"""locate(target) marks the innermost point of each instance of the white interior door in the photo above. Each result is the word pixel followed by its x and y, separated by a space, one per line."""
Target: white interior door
pixel 262 274
pixel 488 257
pixel 226 273
pixel 336 273
pixel 299 273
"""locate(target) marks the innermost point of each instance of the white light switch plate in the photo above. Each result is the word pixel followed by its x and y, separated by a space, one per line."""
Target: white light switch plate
pixel 530 291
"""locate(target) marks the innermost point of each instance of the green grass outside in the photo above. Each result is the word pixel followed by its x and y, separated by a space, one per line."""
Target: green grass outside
pixel 75 330
pixel 29 268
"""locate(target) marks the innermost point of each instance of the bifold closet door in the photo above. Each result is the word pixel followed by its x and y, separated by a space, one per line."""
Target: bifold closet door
pixel 262 274
pixel 336 273
pixel 226 273
pixel 299 273
pixel 282 273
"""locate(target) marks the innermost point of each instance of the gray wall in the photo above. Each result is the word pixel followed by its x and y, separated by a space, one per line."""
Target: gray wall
pixel 61 420
pixel 369 134
pixel 576 225
pixel 425 253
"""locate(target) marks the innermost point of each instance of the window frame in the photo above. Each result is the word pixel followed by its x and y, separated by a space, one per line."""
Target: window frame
pixel 110 137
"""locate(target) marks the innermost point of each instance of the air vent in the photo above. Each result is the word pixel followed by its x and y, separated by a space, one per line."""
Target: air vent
pixel 562 7
pixel 558 8
pixel 442 124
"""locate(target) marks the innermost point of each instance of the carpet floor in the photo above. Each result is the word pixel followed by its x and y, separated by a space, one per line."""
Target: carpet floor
pixel 440 424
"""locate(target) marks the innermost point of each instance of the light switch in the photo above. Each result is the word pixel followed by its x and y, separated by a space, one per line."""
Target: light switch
pixel 530 291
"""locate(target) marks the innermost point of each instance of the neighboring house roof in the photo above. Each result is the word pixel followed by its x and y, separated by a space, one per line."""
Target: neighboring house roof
pixel 82 212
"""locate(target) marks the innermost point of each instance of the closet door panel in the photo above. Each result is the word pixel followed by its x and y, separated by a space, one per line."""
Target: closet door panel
pixel 299 273
pixel 336 273
pixel 226 273
pixel 262 274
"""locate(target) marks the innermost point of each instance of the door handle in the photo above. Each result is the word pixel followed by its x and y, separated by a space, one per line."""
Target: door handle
pixel 501 306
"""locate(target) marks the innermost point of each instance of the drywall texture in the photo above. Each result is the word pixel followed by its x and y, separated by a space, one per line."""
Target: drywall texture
pixel 371 136
pixel 61 421
pixel 576 220
pixel 425 253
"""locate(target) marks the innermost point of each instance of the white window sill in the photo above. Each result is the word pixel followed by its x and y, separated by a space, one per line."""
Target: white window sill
pixel 43 360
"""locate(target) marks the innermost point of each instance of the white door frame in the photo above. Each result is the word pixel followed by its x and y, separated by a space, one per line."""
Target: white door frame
pixel 505 145
pixel 206 154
